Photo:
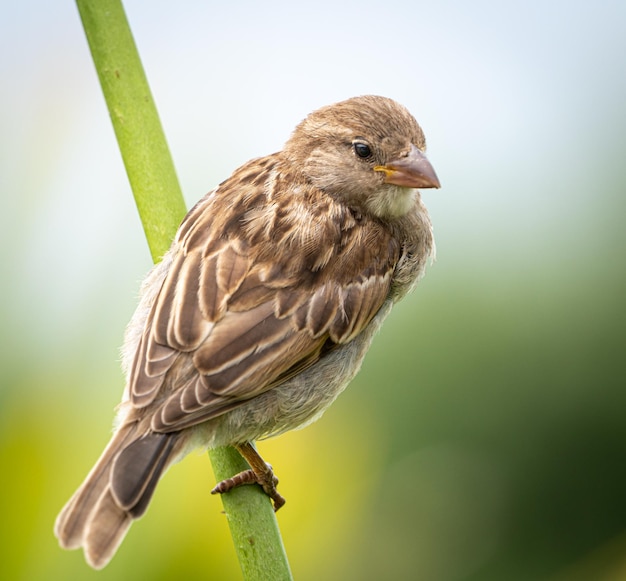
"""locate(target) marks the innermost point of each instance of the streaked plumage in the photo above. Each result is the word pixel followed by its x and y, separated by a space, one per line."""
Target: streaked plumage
pixel 262 311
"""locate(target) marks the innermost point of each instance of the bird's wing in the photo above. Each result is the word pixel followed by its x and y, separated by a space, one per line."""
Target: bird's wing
pixel 254 295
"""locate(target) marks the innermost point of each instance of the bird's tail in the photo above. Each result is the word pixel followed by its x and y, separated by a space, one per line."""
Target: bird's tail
pixel 115 492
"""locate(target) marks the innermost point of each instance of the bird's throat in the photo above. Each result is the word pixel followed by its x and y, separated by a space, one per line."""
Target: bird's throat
pixel 392 202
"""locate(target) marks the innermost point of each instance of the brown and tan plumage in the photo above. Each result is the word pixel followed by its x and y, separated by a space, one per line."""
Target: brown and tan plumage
pixel 262 311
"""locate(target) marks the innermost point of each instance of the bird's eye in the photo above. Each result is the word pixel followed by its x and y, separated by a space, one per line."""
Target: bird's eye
pixel 362 149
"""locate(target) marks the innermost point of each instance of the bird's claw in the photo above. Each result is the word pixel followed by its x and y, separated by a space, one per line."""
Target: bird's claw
pixel 266 479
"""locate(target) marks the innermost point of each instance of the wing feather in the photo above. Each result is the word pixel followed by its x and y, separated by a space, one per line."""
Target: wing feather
pixel 322 309
pixel 187 327
pixel 238 314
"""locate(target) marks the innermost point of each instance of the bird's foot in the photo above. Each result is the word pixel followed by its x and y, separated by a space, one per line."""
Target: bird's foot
pixel 260 473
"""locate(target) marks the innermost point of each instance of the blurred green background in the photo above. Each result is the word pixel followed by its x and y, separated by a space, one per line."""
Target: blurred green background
pixel 485 438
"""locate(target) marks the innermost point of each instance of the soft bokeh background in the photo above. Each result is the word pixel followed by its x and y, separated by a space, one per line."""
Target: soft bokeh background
pixel 485 438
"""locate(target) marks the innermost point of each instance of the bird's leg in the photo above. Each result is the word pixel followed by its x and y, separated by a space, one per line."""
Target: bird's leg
pixel 260 473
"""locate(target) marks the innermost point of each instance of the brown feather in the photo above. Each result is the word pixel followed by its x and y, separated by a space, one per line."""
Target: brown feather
pixel 136 470
pixel 105 531
pixel 73 519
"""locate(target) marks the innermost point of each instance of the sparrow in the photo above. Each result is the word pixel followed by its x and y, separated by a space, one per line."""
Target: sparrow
pixel 262 310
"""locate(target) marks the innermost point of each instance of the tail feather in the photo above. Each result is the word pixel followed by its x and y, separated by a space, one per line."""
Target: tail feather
pixel 117 490
pixel 105 531
pixel 137 469
pixel 72 521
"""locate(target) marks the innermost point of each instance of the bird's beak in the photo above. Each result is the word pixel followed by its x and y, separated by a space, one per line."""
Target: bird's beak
pixel 411 171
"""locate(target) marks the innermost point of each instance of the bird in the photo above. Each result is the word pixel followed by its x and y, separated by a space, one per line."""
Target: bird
pixel 263 308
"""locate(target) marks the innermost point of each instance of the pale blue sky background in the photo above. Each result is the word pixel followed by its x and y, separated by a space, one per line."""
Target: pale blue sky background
pixel 504 365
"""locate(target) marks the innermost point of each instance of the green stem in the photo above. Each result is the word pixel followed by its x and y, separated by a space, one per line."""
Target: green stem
pixel 136 122
pixel 161 208
pixel 254 528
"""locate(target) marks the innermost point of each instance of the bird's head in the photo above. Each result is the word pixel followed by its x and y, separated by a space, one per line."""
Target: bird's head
pixel 367 152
